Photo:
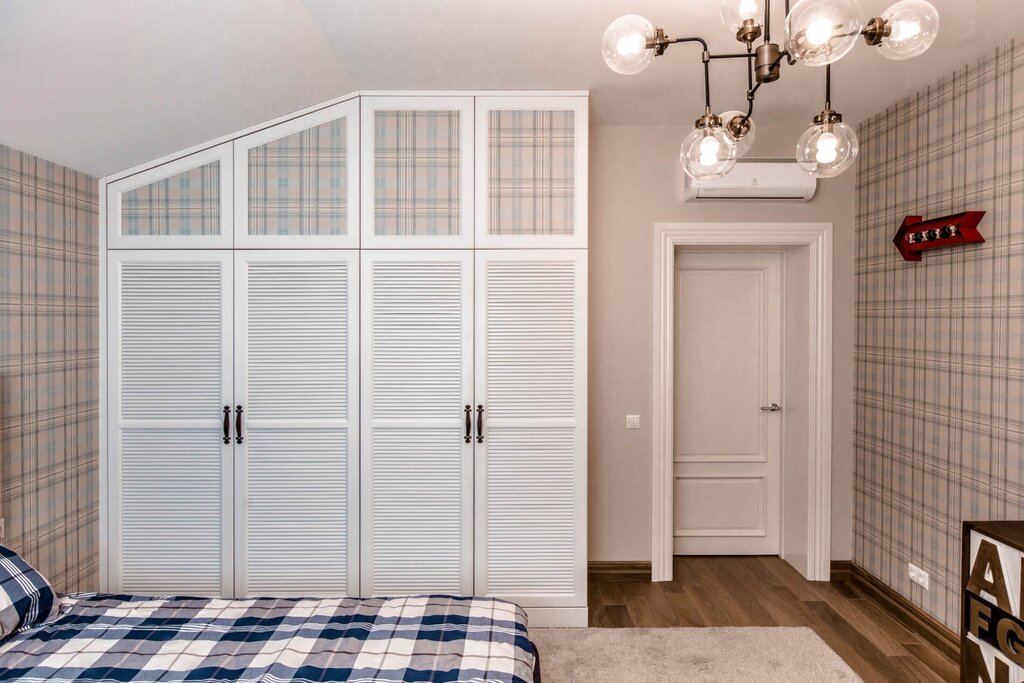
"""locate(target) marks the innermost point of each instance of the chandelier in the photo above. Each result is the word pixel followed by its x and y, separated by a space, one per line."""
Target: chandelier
pixel 818 33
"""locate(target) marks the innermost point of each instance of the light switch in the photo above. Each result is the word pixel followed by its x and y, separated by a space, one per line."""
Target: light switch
pixel 632 422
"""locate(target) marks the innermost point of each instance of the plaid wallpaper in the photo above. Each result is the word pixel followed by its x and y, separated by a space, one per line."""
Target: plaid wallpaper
pixel 416 172
pixel 530 186
pixel 298 184
pixel 939 433
pixel 183 204
pixel 49 350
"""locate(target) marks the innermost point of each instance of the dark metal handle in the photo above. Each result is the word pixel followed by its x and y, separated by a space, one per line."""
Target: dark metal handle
pixel 238 424
pixel 469 422
pixel 479 423
pixel 227 424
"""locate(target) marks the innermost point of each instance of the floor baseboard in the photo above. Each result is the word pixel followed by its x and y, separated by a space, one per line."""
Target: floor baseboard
pixel 902 610
pixel 620 568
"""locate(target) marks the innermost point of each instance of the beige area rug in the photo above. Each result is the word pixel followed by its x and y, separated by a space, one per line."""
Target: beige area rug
pixel 663 655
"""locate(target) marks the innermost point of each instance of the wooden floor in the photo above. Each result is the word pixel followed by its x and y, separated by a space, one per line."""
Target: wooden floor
pixel 766 591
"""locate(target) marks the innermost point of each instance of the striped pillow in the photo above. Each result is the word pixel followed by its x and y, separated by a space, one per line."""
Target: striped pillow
pixel 26 598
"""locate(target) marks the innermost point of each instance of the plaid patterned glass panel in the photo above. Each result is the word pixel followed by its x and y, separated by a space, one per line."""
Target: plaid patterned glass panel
pixel 298 184
pixel 530 182
pixel 416 173
pixel 184 204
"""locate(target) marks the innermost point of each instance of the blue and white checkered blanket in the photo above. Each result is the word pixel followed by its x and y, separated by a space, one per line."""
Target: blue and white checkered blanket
pixel 114 638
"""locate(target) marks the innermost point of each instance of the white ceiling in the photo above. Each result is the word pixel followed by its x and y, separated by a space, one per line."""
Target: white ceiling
pixel 101 85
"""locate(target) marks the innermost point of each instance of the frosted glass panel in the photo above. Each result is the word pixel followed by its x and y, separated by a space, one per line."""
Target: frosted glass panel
pixel 298 184
pixel 530 181
pixel 184 204
pixel 416 172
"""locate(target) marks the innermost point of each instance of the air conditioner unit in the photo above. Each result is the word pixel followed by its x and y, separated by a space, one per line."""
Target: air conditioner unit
pixel 775 179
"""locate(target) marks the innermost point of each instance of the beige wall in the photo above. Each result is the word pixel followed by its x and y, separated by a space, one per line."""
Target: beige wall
pixel 635 181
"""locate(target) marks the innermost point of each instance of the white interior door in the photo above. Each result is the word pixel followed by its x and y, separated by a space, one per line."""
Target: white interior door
pixel 296 382
pixel 728 371
pixel 531 460
pixel 170 344
pixel 417 467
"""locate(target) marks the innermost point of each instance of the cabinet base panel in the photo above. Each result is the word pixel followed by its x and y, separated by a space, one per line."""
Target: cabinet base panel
pixel 557 617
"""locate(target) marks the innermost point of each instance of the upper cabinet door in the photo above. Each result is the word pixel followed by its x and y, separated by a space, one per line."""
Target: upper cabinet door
pixel 531 172
pixel 417 172
pixel 297 183
pixel 183 204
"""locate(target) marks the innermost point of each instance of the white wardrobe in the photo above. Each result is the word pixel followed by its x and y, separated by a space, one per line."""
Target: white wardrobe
pixel 344 353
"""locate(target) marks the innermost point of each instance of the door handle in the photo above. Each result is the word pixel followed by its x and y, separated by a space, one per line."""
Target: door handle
pixel 469 422
pixel 771 408
pixel 480 423
pixel 227 424
pixel 238 424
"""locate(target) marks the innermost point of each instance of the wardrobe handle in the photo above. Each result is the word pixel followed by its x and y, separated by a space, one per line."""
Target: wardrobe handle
pixel 227 424
pixel 469 422
pixel 238 424
pixel 480 423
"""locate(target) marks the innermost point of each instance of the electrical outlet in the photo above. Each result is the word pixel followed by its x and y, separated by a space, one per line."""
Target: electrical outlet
pixel 918 575
pixel 632 422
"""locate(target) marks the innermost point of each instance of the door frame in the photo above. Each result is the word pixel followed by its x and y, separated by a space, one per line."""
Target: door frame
pixel 817 237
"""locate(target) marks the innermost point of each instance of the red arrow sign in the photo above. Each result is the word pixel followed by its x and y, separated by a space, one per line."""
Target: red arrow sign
pixel 916 235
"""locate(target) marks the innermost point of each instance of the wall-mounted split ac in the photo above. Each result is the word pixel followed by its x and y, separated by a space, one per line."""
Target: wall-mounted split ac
pixel 774 179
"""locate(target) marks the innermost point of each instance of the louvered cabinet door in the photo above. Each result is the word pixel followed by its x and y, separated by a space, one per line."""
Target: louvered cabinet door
pixel 297 182
pixel 296 382
pixel 531 466
pixel 182 204
pixel 416 460
pixel 169 486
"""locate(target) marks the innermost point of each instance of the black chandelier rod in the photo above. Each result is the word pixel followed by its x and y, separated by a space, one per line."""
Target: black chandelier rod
pixel 752 91
pixel 706 58
pixel 752 87
pixel 828 86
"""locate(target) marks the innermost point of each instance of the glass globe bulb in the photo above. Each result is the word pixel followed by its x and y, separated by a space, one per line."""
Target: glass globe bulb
pixel 735 12
pixel 827 150
pixel 707 154
pixel 914 24
pixel 745 143
pixel 624 45
pixel 819 32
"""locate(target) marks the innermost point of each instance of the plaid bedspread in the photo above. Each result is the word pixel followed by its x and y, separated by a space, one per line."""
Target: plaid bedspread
pixel 113 638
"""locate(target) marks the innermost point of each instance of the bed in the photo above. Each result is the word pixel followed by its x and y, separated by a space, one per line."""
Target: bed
pixel 101 638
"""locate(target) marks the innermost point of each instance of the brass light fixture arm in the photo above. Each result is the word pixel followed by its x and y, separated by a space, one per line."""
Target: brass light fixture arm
pixel 660 43
pixel 762 64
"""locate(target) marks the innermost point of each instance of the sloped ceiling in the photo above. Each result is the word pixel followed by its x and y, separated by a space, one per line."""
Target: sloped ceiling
pixel 101 85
